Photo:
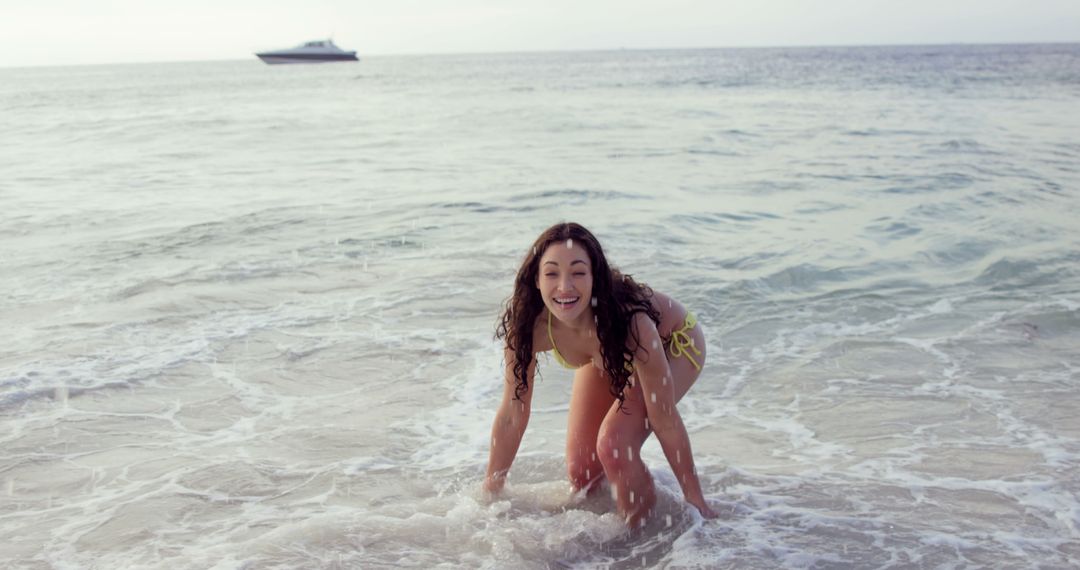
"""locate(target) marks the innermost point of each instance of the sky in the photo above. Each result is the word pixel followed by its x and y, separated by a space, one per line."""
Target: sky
pixel 73 32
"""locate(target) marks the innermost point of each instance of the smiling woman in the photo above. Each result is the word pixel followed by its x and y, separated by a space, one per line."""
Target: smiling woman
pixel 635 352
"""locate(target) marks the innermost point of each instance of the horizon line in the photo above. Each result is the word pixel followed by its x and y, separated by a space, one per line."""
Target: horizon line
pixel 568 50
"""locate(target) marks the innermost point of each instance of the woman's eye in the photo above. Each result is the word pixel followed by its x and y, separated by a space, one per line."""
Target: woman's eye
pixel 579 274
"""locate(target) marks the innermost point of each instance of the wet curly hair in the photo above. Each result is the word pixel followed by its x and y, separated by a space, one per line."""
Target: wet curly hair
pixel 617 299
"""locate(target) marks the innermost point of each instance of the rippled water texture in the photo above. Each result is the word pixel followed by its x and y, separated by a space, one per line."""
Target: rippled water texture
pixel 248 311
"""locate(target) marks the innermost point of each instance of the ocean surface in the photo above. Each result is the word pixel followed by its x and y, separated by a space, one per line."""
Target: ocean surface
pixel 247 312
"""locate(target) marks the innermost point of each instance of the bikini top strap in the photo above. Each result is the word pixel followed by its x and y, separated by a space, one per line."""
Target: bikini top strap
pixel 555 349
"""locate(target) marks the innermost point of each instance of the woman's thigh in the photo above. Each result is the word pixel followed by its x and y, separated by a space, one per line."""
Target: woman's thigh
pixel 628 425
pixel 590 400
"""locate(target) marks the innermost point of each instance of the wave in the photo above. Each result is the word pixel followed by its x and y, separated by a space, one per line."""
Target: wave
pixel 1012 274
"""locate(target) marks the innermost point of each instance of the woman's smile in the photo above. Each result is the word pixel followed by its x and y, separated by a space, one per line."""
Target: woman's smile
pixel 567 302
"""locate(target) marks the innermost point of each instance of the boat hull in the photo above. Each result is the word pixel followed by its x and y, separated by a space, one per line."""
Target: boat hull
pixel 282 58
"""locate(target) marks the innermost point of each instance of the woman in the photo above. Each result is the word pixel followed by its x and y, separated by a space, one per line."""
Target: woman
pixel 635 353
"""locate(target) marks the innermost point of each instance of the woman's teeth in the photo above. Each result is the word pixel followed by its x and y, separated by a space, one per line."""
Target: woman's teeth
pixel 569 301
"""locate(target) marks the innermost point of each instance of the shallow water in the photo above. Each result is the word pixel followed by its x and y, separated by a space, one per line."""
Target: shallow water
pixel 249 310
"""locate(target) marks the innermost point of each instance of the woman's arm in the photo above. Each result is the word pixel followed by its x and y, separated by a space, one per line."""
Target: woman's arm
pixel 658 389
pixel 511 419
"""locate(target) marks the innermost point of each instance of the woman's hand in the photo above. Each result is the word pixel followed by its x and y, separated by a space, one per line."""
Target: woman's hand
pixel 493 486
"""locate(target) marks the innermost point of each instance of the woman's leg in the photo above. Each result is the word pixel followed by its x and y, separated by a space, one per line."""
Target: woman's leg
pixel 590 400
pixel 623 432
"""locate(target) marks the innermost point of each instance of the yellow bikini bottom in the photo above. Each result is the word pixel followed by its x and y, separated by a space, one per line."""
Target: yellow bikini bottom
pixel 681 344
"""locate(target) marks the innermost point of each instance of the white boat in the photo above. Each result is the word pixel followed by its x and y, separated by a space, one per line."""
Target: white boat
pixel 321 51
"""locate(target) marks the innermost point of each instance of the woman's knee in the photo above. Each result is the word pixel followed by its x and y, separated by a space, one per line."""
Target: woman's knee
pixel 615 450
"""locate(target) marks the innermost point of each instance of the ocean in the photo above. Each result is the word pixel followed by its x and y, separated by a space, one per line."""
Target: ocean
pixel 248 311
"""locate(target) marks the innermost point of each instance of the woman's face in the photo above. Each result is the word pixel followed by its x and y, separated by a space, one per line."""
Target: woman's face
pixel 565 280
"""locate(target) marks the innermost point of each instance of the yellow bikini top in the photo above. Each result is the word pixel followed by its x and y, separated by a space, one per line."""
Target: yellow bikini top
pixel 558 357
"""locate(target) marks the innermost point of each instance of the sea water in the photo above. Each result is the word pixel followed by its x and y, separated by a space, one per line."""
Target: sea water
pixel 247 311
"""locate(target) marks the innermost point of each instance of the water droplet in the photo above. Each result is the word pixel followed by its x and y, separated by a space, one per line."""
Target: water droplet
pixel 655 344
pixel 678 456
pixel 664 381
pixel 654 397
pixel 667 518
pixel 631 497
pixel 616 451
pixel 592 301
pixel 646 424
pixel 630 453
pixel 569 244
pixel 588 475
pixel 534 250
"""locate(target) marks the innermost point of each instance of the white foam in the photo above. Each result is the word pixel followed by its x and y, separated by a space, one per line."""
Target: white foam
pixel 458 432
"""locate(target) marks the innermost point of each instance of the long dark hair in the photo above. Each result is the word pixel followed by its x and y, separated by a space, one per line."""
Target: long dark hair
pixel 617 299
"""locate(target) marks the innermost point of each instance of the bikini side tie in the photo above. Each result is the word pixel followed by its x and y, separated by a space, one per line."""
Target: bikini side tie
pixel 682 344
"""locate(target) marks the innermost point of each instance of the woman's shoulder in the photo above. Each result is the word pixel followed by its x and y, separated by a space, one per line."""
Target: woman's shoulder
pixel 541 341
